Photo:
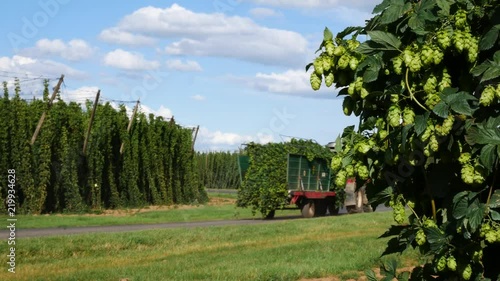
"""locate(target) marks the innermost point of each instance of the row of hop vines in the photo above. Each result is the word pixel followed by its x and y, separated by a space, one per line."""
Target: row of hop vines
pixel 53 175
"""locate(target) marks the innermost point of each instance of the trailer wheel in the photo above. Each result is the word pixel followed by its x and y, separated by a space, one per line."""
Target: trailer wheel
pixel 308 209
pixel 320 208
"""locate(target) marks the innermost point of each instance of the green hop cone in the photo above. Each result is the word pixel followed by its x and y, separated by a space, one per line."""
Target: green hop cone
pixel 315 81
pixel 485 227
pixel 430 85
pixel 343 62
pixel 477 257
pixel 420 237
pixel 341 178
pixel 394 115
pixel 467 174
pixel 327 63
pixel 350 171
pixel 451 263
pixel 382 134
pixel 351 90
pixel 432 100
pixel 407 57
pixel 441 264
pixel 318 65
pixel 329 79
pixel 438 56
pixel 363 148
pixel 352 44
pixel 394 98
pixel 339 51
pixel 330 48
pixel 434 144
pixel 491 236
pixel 353 63
pixel 336 163
pixel 408 116
pixel 362 172
pixel 464 158
pixel 429 223
pixel 461 19
pixel 427 56
pixel 443 39
pixel 415 64
pixel 467 272
pixel 497 91
pixel 397 63
pixel 487 96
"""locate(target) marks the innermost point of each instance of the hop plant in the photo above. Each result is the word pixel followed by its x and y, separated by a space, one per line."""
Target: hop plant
pixel 341 178
pixel 464 158
pixel 318 66
pixel 397 63
pixel 315 81
pixel 467 272
pixel 451 263
pixel 487 96
pixel 330 47
pixel 441 263
pixel 420 237
pixel 394 116
pixel 336 163
pixel 408 116
pixel 329 79
pixel 362 172
pixel 443 39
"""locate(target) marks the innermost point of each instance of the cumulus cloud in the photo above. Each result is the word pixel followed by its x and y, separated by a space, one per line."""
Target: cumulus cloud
pixel 211 139
pixel 117 36
pixel 161 111
pixel 74 50
pixel 198 98
pixel 184 66
pixel 264 13
pixel 81 94
pixel 37 67
pixel 129 61
pixel 216 34
pixel 291 82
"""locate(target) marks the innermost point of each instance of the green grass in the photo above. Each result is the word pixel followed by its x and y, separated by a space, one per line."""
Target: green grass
pixel 223 195
pixel 181 214
pixel 285 250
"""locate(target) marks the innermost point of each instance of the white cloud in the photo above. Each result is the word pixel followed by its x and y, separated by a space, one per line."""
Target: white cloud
pixel 129 61
pixel 184 66
pixel 74 50
pixel 198 98
pixel 216 34
pixel 161 111
pixel 22 66
pixel 219 139
pixel 117 36
pixel 80 95
pixel 264 13
pixel 291 82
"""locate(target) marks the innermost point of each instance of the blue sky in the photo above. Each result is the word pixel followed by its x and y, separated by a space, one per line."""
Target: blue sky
pixel 233 67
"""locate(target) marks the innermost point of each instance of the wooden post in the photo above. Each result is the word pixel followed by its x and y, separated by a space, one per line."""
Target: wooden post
pixel 90 122
pixel 130 125
pixel 195 135
pixel 42 118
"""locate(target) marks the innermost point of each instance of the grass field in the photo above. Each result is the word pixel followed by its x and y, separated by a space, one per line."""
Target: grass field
pixel 285 250
pixel 220 207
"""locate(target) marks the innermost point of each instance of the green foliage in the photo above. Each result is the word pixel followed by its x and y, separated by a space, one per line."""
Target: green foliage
pixel 264 188
pixel 218 170
pixel 425 86
pixel 53 175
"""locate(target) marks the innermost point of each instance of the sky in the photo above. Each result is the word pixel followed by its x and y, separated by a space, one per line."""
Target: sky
pixel 235 68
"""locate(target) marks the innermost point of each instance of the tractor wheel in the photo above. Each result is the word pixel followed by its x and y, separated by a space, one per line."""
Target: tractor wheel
pixel 308 209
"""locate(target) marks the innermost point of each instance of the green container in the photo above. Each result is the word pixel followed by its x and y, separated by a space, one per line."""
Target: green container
pixel 243 164
pixel 306 175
